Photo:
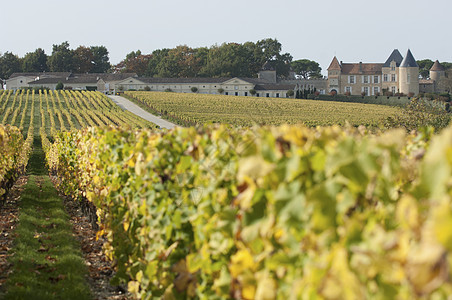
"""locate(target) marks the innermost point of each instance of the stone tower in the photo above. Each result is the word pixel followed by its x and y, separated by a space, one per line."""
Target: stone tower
pixel 267 73
pixel 409 75
pixel 437 71
pixel 334 76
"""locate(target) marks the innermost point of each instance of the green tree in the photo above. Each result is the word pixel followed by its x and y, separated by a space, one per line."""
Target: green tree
pixel 154 60
pixel 194 89
pixel 306 68
pixel 181 61
pixel 446 65
pixel 270 50
pixel 9 64
pixel 59 86
pixel 135 62
pixel 35 61
pixel 424 67
pixel 82 60
pixel 101 61
pixel 62 58
pixel 227 60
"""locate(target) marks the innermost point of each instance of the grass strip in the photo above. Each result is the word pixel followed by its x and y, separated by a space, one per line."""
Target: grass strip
pixel 47 260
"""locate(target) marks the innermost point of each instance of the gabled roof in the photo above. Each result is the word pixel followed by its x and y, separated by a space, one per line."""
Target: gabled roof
pixel 66 80
pixel 362 68
pixel 41 74
pixel 157 80
pixel 409 61
pixel 334 65
pixel 114 76
pixel 274 87
pixel 437 67
pixel 395 56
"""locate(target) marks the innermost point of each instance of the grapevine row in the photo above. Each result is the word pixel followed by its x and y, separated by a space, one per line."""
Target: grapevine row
pixel 272 212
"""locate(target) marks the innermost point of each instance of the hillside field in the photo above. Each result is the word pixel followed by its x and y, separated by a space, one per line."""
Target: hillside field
pixel 247 111
pixel 223 211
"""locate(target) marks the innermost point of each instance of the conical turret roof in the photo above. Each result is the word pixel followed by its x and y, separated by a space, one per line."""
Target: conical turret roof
pixel 437 67
pixel 334 65
pixel 395 56
pixel 409 61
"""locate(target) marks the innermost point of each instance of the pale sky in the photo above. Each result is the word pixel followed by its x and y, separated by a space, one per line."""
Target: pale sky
pixel 353 30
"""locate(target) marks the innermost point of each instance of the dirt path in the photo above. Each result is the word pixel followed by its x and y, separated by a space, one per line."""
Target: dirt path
pixel 133 108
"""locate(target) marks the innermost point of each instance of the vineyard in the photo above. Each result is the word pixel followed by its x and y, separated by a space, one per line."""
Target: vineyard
pixel 192 109
pixel 266 212
pixel 60 111
pixel 270 212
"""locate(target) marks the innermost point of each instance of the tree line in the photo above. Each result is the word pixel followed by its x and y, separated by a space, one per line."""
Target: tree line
pixel 225 60
pixel 426 64
pixel 92 59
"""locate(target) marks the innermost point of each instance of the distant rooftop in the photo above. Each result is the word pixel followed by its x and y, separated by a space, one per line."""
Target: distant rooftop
pixel 437 67
pixel 409 61
pixel 395 56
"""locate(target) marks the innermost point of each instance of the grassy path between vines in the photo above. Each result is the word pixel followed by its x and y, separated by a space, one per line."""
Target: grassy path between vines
pixel 47 261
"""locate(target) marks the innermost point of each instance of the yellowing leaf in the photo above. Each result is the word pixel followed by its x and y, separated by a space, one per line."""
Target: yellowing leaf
pixel 241 261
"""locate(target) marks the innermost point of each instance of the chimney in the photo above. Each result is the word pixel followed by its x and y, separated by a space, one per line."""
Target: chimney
pixel 360 67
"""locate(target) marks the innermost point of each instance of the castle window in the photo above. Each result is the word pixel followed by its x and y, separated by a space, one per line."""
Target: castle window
pixel 376 90
pixel 376 79
pixel 408 77
pixel 348 89
pixel 351 79
pixel 366 90
pixel 365 79
pixel 393 78
pixel 277 95
pixel 385 77
pixel 393 89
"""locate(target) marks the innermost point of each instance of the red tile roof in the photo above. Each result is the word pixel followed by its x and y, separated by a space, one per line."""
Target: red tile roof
pixel 362 68
pixel 334 65
pixel 437 67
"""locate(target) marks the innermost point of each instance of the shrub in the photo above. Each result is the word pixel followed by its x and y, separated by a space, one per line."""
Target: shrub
pixel 220 90
pixel 59 86
pixel 147 88
pixel 348 94
pixel 252 92
pixel 168 90
pixel 194 89
pixel 290 93
pixel 419 113
pixel 333 93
